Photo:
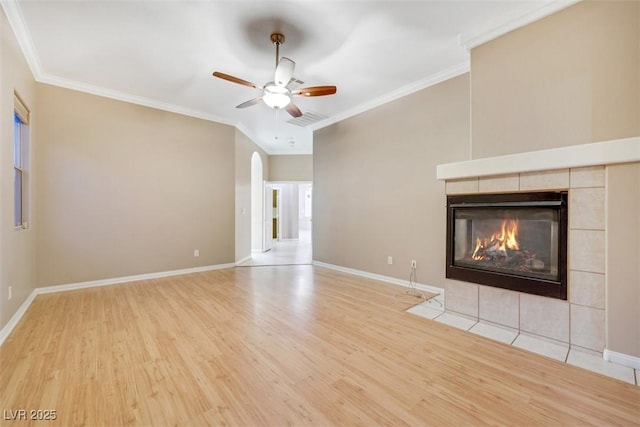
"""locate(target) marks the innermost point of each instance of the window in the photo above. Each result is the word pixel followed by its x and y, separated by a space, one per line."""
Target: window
pixel 20 163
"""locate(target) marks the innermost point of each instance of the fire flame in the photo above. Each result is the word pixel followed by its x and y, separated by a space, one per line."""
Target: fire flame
pixel 506 238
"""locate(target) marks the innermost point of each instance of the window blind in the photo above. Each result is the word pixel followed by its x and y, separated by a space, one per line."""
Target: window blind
pixel 21 110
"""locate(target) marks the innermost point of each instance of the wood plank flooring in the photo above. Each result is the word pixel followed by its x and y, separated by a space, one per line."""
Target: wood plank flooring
pixel 283 345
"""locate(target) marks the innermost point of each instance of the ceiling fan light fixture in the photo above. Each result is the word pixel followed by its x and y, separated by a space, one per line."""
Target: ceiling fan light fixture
pixel 277 93
pixel 276 96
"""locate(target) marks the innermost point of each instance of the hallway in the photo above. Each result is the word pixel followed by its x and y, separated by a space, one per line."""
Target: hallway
pixel 284 252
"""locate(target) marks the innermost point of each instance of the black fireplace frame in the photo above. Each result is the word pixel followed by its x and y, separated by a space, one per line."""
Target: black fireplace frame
pixel 556 200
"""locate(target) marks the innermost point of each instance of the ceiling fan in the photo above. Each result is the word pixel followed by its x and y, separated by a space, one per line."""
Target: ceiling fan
pixel 278 93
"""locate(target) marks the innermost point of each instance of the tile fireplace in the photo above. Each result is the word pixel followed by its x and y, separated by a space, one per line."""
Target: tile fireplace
pixel 600 179
pixel 515 241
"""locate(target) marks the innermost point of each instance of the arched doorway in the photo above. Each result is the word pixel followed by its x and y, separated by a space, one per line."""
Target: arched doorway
pixel 267 249
pixel 257 198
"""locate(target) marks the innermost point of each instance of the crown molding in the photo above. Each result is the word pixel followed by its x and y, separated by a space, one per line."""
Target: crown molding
pixel 138 100
pixel 431 80
pixel 16 22
pixel 491 32
pixel 468 41
pixel 14 16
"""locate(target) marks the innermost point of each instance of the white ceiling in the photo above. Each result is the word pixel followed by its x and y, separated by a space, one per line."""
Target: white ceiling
pixel 162 53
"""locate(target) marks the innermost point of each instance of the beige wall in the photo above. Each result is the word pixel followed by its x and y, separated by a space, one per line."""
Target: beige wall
pixel 244 149
pixel 291 168
pixel 17 248
pixel 375 191
pixel 571 78
pixel 125 189
pixel 623 253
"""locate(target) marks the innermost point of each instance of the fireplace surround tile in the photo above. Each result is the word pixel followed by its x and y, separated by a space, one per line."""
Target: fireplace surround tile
pixel 587 327
pixel 498 333
pixel 587 250
pixel 595 363
pixel 591 176
pixel 499 306
pixel 457 321
pixel 587 208
pixel 462 186
pixel 424 310
pixel 579 321
pixel 587 289
pixel 462 298
pixel 545 180
pixel 544 346
pixel 547 317
pixel 499 184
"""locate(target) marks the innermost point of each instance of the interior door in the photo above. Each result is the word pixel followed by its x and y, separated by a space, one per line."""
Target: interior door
pixel 276 215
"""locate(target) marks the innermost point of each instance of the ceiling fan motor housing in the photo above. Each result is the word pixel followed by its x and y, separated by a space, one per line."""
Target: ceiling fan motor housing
pixel 277 39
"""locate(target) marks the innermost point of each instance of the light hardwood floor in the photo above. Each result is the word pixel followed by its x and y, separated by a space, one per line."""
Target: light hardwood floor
pixel 285 252
pixel 283 345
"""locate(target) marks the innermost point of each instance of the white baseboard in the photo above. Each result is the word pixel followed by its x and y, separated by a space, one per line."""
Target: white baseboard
pixel 6 330
pixel 245 259
pixel 125 279
pixel 388 279
pixel 621 359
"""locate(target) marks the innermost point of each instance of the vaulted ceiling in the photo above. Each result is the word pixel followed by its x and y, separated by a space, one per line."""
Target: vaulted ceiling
pixel 162 53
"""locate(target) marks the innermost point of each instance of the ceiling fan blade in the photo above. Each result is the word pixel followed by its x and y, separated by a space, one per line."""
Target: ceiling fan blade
pixel 315 91
pixel 293 110
pixel 250 102
pixel 294 84
pixel 284 71
pixel 233 79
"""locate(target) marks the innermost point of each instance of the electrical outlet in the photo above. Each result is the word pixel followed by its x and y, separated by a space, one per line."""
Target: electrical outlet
pixel 389 260
pixel 196 252
pixel 10 292
pixel 414 264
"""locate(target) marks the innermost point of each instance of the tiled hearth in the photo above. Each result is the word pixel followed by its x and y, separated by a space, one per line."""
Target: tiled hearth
pixel 578 322
pixel 547 347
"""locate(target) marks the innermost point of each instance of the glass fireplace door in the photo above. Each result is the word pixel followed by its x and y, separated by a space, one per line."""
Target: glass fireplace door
pixel 521 241
pixel 515 241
